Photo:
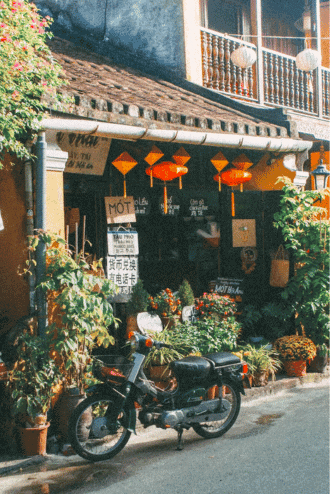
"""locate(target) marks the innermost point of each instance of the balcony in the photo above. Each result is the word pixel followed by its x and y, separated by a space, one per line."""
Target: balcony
pixel 283 84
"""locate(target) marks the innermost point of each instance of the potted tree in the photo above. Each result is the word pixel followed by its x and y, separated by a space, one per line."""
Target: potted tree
pixel 138 302
pixel 83 318
pixel 31 381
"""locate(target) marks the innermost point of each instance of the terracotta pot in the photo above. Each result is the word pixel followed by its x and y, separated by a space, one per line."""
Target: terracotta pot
pixel 213 392
pixel 170 322
pixel 249 378
pixel 295 368
pixel 260 379
pixel 159 373
pixel 33 441
pixel 318 364
pixel 131 325
pixel 62 411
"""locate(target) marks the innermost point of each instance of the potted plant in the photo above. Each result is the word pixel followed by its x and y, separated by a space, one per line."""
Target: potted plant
pixel 167 305
pixel 294 351
pixel 138 302
pixel 215 306
pixel 186 294
pixel 262 361
pixel 31 381
pixel 83 318
pixel 157 362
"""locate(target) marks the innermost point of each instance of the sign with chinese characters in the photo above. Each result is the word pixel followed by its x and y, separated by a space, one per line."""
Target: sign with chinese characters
pixel 123 243
pixel 120 210
pixel 227 286
pixel 198 207
pixel 142 205
pixel 87 153
pixel 123 271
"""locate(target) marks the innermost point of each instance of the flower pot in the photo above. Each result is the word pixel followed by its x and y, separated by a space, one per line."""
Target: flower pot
pixel 62 411
pixel 33 441
pixel 131 325
pixel 318 364
pixel 159 373
pixel 295 368
pixel 170 322
pixel 260 379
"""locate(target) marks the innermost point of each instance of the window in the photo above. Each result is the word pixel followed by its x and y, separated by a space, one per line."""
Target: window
pixel 226 16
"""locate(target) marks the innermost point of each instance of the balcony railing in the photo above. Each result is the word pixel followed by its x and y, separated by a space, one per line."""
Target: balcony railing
pixel 284 84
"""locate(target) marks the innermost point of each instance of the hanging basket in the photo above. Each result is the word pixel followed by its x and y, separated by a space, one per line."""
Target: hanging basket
pixel 279 271
pixel 295 368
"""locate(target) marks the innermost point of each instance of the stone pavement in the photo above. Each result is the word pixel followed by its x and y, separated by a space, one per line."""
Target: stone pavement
pixel 9 464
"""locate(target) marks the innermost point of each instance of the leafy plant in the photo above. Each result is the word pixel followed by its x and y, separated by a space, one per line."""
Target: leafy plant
pixel 186 294
pixel 210 336
pixel 260 360
pixel 139 299
pixel 166 303
pixel 164 356
pixel 295 347
pixel 32 377
pixel 83 313
pixel 28 74
pixel 306 234
pixel 214 306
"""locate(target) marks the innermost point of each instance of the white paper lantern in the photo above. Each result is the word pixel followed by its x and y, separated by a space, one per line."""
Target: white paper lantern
pixel 244 57
pixel 308 60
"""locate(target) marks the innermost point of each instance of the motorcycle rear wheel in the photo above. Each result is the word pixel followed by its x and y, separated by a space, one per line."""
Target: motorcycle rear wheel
pixel 89 430
pixel 232 397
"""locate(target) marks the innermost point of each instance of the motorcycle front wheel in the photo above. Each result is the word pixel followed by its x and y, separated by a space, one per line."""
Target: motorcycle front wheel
pixel 92 434
pixel 231 404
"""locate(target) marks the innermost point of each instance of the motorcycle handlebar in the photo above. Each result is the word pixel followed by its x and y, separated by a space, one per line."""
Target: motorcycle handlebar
pixel 159 344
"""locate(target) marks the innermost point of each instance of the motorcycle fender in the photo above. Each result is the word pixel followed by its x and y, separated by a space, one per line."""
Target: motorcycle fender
pixel 238 383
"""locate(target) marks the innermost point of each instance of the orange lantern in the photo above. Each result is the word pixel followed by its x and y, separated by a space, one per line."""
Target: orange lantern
pixel 181 157
pixel 166 171
pixel 219 162
pixel 154 155
pixel 232 178
pixel 124 163
pixel 242 162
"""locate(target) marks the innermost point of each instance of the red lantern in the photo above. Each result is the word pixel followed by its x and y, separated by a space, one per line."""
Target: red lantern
pixel 166 171
pixel 232 178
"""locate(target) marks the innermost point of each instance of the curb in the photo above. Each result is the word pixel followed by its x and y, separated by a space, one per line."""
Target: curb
pixel 282 384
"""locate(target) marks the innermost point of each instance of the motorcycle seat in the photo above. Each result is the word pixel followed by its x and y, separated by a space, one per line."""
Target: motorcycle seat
pixel 190 367
pixel 223 358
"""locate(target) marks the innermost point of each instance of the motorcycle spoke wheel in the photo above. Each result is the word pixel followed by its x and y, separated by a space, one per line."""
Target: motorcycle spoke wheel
pixel 92 435
pixel 231 402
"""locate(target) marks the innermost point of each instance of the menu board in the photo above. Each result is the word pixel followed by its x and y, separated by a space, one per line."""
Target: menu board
pixel 227 286
pixel 142 205
pixel 198 207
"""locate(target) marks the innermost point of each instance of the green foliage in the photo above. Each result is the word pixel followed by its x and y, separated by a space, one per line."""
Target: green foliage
pixel 307 236
pixel 32 377
pixel 166 303
pixel 28 74
pixel 163 356
pixel 215 307
pixel 139 299
pixel 210 336
pixel 186 294
pixel 83 311
pixel 260 359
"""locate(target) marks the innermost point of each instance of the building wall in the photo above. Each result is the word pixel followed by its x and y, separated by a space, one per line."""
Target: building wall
pixel 55 203
pixel 152 29
pixel 325 33
pixel 14 293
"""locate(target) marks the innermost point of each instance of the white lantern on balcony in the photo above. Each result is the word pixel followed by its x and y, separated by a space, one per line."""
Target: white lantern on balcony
pixel 244 57
pixel 307 60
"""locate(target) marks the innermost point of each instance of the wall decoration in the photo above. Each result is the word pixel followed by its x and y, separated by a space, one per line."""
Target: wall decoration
pixel 154 155
pixel 244 233
pixel 166 171
pixel 249 256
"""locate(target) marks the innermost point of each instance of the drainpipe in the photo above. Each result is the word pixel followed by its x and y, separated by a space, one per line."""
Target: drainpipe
pixel 30 225
pixel 41 147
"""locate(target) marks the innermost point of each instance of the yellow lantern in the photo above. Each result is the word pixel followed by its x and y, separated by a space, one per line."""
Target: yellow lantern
pixel 154 155
pixel 219 162
pixel 124 163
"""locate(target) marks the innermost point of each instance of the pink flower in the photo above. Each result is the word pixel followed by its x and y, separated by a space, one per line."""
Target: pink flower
pixel 16 95
pixel 18 66
pixel 3 25
pixel 6 38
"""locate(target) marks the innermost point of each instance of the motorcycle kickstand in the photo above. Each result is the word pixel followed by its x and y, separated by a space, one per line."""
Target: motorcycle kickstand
pixel 180 440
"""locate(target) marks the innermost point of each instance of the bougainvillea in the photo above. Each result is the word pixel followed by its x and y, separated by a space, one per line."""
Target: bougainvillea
pixel 28 73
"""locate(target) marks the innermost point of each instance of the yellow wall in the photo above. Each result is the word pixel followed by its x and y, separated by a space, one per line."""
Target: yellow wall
pixel 325 33
pixel 55 203
pixel 264 176
pixel 192 40
pixel 14 293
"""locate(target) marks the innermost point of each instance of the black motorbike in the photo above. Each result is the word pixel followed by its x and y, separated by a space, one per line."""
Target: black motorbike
pixel 101 425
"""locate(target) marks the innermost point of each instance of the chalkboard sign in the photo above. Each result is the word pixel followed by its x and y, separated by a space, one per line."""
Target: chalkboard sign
pixel 227 286
pixel 142 205
pixel 173 205
pixel 198 207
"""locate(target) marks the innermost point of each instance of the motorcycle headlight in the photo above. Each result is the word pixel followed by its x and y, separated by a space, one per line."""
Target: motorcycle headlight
pixel 134 342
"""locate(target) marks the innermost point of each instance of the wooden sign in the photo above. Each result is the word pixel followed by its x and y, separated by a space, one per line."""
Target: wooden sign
pixel 227 286
pixel 120 210
pixel 244 233
pixel 87 153
pixel 123 243
pixel 123 271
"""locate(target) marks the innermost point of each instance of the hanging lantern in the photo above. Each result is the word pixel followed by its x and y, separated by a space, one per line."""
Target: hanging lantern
pixel 166 171
pixel 242 162
pixel 243 57
pixel 219 162
pixel 232 178
pixel 151 158
pixel 181 157
pixel 307 60
pixel 124 163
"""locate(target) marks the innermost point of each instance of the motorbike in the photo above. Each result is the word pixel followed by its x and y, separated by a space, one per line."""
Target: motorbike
pixel 101 425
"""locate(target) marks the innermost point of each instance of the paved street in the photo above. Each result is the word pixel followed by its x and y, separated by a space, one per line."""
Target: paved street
pixel 279 445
